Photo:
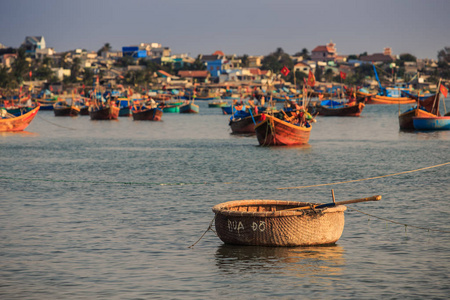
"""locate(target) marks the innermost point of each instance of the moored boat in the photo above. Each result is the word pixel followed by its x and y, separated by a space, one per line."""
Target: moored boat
pixel 189 108
pixel 337 108
pixel 431 122
pixel 244 122
pixel 12 123
pixel 147 114
pixel 62 109
pixel 281 223
pixel 273 131
pixel 379 99
pixel 425 108
pixel 104 112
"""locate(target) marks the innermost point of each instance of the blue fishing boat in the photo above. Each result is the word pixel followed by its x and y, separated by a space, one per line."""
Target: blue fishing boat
pixel 189 108
pixel 433 121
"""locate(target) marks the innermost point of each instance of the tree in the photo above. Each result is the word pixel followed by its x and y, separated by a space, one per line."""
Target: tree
pixel 20 66
pixel 444 55
pixel 106 47
pixel 408 57
pixel 245 61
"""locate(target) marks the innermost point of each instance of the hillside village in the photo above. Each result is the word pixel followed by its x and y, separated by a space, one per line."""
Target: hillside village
pixel 152 66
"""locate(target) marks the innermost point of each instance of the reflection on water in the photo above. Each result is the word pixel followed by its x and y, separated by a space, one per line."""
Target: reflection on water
pixel 299 262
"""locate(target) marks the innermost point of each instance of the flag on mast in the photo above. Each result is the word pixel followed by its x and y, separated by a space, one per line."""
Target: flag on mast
pixel 311 78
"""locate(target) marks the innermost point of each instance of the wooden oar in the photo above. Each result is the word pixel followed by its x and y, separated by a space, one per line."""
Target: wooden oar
pixel 373 198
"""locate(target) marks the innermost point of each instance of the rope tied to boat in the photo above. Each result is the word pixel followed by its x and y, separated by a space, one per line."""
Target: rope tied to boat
pixel 395 222
pixel 207 229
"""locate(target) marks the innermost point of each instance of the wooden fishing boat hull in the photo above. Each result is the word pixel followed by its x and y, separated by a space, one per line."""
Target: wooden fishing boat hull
pixel 171 109
pixel 189 109
pixel 352 110
pixel 432 123
pixel 377 99
pixel 66 111
pixel 218 104
pixel 84 111
pixel 18 123
pixel 151 114
pixel 269 223
pixel 104 113
pixel 244 125
pixel 271 131
pixel 405 119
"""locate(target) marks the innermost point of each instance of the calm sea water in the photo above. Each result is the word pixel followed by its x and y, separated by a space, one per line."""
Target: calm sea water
pixel 108 209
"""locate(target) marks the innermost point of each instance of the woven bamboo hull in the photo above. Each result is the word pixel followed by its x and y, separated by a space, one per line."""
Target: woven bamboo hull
pixel 275 132
pixel 18 123
pixel 152 114
pixel 264 223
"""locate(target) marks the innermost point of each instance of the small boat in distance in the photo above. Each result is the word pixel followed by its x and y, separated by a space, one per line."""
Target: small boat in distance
pixel 189 108
pixel 62 109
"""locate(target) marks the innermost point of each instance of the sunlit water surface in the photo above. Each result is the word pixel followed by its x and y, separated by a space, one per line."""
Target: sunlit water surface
pixel 108 209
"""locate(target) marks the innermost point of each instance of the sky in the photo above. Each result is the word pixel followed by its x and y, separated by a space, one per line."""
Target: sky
pixel 252 27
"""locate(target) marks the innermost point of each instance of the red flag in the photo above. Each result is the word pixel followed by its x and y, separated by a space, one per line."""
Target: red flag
pixel 343 75
pixel 285 71
pixel 311 78
pixel 443 90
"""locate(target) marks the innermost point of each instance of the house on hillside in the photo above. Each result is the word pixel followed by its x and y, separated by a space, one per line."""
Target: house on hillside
pixel 33 43
pixel 255 61
pixel 195 76
pixel 385 57
pixel 302 67
pixel 214 63
pixel 324 53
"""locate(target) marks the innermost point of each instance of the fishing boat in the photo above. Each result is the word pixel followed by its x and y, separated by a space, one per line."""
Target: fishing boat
pixel 10 122
pixel 244 121
pixel 424 108
pixel 147 114
pixel 388 95
pixel 434 120
pixel 217 103
pixel 62 109
pixel 337 108
pixel 281 223
pixel 189 108
pixel 124 105
pixel 103 111
pixel 274 131
pixel 47 103
pixel 380 99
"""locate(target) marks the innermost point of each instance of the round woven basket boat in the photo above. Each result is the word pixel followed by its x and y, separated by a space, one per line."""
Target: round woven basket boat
pixel 271 223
